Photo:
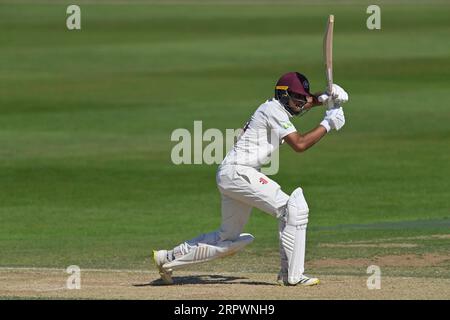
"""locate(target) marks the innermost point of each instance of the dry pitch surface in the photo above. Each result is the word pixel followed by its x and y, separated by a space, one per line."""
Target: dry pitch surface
pixel 50 283
pixel 129 284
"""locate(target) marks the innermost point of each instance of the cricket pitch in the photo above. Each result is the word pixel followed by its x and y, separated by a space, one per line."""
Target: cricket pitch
pixel 128 284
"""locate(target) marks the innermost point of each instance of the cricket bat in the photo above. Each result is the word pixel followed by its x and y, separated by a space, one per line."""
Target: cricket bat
pixel 328 56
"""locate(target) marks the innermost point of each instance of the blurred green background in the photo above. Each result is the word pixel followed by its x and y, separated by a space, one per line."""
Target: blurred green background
pixel 86 118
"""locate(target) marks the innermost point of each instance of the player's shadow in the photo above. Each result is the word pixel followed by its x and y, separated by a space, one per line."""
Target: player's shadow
pixel 206 279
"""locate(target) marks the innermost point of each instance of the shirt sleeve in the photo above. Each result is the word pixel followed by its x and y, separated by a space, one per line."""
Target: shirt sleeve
pixel 280 124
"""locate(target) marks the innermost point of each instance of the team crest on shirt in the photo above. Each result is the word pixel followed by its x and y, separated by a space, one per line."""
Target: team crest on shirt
pixel 263 181
pixel 286 125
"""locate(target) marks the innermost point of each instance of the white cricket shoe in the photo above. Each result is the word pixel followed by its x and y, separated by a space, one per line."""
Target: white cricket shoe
pixel 306 281
pixel 160 258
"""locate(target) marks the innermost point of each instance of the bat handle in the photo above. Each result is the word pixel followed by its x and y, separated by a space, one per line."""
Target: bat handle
pixel 330 104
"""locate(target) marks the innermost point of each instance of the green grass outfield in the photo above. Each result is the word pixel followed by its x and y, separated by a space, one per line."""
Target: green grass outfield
pixel 86 118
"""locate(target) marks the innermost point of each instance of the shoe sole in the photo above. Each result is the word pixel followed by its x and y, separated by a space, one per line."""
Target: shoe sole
pixel 287 284
pixel 165 275
pixel 314 283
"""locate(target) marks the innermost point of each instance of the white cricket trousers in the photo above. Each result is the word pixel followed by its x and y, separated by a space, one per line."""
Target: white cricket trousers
pixel 243 188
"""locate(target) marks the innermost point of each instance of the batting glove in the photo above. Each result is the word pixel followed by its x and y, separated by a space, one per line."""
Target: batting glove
pixel 334 119
pixel 338 95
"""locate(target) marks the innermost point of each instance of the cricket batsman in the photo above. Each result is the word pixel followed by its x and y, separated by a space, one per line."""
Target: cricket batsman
pixel 243 186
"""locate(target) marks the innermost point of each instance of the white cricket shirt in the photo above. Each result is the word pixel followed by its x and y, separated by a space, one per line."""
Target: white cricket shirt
pixel 262 134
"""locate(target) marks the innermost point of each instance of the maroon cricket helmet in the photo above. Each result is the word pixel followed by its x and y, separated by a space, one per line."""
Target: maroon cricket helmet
pixel 294 82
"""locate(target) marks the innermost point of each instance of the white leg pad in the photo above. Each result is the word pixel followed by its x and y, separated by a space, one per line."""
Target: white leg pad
pixel 284 264
pixel 293 237
pixel 204 252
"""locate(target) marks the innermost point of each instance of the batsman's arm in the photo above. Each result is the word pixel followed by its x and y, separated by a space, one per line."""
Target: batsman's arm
pixel 316 101
pixel 302 142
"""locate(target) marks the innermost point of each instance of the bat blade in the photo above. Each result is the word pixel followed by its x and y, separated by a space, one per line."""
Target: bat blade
pixel 328 52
